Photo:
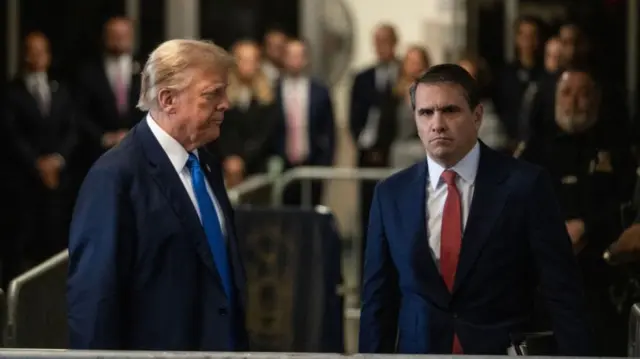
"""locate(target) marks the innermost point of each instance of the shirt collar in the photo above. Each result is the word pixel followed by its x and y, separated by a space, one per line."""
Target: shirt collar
pixel 36 77
pixel 466 168
pixel 178 156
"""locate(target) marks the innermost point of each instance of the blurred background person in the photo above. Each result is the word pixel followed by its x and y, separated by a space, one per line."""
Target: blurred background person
pixel 249 124
pixel 371 114
pixel 305 132
pixel 107 91
pixel 518 77
pixel 589 178
pixel 275 42
pixel 491 131
pixel 406 148
pixel 40 126
pixel 552 53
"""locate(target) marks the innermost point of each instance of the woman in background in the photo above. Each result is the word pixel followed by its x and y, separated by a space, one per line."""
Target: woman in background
pixel 249 122
pixel 407 148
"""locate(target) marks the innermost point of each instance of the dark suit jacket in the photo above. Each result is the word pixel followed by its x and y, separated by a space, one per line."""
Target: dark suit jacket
pixel 97 102
pixel 249 133
pixel 364 96
pixel 320 128
pixel 514 236
pixel 30 134
pixel 141 275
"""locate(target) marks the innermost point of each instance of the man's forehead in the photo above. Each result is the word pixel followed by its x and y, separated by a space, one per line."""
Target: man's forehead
pixel 575 79
pixel 210 78
pixel 439 94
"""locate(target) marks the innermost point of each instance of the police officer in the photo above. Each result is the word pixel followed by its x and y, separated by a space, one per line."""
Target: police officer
pixel 591 170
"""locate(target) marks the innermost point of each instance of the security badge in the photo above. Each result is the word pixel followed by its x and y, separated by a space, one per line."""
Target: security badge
pixel 602 163
pixel 571 179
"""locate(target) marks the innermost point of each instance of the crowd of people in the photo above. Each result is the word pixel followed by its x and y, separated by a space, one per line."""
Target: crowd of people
pixel 549 107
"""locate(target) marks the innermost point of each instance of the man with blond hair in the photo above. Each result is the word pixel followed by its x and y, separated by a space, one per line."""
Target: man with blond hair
pixel 154 260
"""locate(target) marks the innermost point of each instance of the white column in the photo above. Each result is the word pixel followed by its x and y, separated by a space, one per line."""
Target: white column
pixel 182 19
pixel 132 10
pixel 13 37
pixel 632 55
pixel 511 13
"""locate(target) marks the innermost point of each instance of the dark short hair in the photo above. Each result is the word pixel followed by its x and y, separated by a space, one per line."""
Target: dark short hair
pixel 452 74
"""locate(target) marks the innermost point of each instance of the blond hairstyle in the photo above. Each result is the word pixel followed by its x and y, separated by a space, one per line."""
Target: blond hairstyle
pixel 260 85
pixel 169 64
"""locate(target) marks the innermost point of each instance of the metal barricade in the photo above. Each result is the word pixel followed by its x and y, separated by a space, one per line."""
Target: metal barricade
pixel 36 306
pixel 308 174
pixel 255 190
pixel 634 331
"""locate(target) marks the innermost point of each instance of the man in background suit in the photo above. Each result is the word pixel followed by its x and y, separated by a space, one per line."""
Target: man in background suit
pixel 306 134
pixel 154 261
pixel 372 113
pixel 108 90
pixel 41 135
pixel 458 243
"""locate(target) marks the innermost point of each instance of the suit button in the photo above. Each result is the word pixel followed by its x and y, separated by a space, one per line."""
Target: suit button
pixel 222 311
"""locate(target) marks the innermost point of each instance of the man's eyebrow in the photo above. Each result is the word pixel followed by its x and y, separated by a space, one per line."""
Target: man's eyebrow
pixel 439 108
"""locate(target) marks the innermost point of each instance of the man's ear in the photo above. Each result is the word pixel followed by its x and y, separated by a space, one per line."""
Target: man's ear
pixel 477 114
pixel 166 100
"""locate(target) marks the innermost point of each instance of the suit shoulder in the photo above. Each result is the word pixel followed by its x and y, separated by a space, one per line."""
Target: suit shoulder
pixel 523 172
pixel 400 179
pixel 118 163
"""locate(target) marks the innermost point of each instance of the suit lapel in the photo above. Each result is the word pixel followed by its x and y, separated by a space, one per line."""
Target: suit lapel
pixel 171 186
pixel 489 198
pixel 411 207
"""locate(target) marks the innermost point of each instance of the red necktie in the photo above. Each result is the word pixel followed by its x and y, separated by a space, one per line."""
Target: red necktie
pixel 451 238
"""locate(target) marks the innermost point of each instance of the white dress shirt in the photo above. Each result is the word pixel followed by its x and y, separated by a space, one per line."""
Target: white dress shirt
pixel 295 91
pixel 178 157
pixel 466 170
pixel 38 85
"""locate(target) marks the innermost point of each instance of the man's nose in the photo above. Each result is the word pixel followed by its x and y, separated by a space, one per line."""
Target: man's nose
pixel 438 123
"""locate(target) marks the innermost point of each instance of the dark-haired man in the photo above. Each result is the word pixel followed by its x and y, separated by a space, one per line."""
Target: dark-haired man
pixel 458 243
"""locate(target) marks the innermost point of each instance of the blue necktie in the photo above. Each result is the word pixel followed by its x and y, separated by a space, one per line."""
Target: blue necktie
pixel 211 225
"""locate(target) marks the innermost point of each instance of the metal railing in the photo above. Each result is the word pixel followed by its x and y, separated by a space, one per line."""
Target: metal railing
pixel 634 331
pixel 43 325
pixel 310 173
pixel 306 175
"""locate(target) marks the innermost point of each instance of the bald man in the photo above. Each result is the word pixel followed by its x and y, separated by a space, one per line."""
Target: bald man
pixel 41 133
pixel 108 90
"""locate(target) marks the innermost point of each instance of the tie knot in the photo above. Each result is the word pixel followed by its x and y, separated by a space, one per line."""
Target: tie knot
pixel 192 161
pixel 449 177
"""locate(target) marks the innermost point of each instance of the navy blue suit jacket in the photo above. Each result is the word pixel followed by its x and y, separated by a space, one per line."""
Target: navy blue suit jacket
pixel 514 239
pixel 321 126
pixel 141 274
